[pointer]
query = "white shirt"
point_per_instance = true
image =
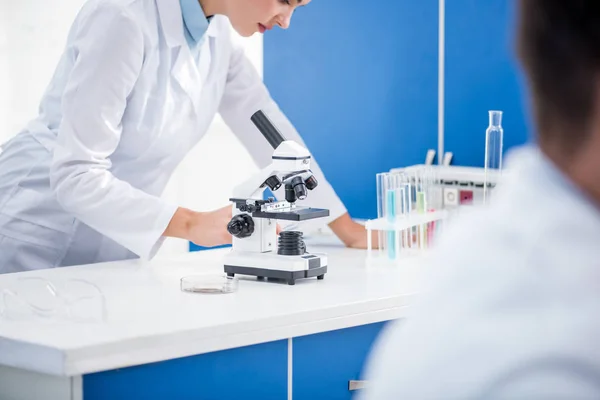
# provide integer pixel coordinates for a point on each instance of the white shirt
(512, 306)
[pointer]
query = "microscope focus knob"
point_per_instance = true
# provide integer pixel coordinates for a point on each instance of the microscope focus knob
(311, 183)
(241, 226)
(273, 182)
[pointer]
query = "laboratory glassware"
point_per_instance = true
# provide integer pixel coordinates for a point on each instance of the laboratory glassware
(73, 300)
(405, 223)
(493, 153)
(209, 284)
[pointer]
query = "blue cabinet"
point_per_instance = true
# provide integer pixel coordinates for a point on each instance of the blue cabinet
(324, 363)
(360, 85)
(249, 372)
(322, 366)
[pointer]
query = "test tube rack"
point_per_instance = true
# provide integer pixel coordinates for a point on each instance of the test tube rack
(406, 224)
(414, 203)
(454, 186)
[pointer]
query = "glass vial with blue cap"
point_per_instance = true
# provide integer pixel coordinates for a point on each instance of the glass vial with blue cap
(493, 153)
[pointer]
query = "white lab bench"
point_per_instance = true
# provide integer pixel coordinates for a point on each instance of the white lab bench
(266, 341)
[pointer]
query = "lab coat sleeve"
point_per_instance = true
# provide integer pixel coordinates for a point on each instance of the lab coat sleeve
(244, 94)
(108, 49)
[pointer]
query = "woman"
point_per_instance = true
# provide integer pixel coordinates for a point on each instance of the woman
(137, 86)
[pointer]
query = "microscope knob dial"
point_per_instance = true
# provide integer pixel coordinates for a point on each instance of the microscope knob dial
(241, 226)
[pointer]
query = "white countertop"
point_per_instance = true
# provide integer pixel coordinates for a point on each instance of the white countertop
(148, 318)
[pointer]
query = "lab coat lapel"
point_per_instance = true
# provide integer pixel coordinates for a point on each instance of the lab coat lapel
(207, 56)
(205, 60)
(186, 74)
(190, 79)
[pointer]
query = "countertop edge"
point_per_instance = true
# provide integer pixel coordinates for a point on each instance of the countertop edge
(76, 365)
(32, 357)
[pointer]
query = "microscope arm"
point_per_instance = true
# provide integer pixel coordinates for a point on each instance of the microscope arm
(289, 160)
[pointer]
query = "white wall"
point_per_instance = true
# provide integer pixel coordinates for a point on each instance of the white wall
(32, 36)
(4, 91)
(35, 32)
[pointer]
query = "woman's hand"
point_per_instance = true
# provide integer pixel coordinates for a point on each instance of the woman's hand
(353, 234)
(209, 229)
(206, 229)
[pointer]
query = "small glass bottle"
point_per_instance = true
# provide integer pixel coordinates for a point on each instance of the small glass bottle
(493, 153)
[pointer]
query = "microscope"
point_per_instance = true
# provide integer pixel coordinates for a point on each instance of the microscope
(257, 249)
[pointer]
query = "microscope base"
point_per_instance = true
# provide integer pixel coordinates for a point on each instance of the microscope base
(275, 266)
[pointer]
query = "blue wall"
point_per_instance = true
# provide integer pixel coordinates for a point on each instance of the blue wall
(481, 74)
(360, 82)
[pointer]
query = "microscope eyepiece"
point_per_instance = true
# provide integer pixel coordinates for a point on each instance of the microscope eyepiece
(296, 189)
(266, 127)
(290, 194)
(300, 190)
(311, 182)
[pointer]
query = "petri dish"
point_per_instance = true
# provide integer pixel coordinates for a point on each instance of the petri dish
(209, 284)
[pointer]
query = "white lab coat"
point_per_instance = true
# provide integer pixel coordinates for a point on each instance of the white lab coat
(511, 309)
(82, 183)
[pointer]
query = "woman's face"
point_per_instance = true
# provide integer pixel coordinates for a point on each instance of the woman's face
(251, 16)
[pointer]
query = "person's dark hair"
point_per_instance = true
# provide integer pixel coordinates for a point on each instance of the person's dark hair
(559, 48)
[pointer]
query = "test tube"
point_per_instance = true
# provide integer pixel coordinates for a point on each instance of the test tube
(380, 208)
(391, 217)
(402, 195)
(493, 153)
(397, 179)
(431, 202)
(414, 230)
(421, 206)
(429, 187)
(407, 207)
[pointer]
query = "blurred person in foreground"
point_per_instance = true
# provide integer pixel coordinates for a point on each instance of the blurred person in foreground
(512, 306)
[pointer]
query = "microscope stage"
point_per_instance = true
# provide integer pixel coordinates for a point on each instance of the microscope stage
(297, 214)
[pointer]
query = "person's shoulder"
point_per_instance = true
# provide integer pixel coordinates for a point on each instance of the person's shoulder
(474, 239)
(120, 5)
(111, 18)
(480, 254)
(124, 10)
(484, 237)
